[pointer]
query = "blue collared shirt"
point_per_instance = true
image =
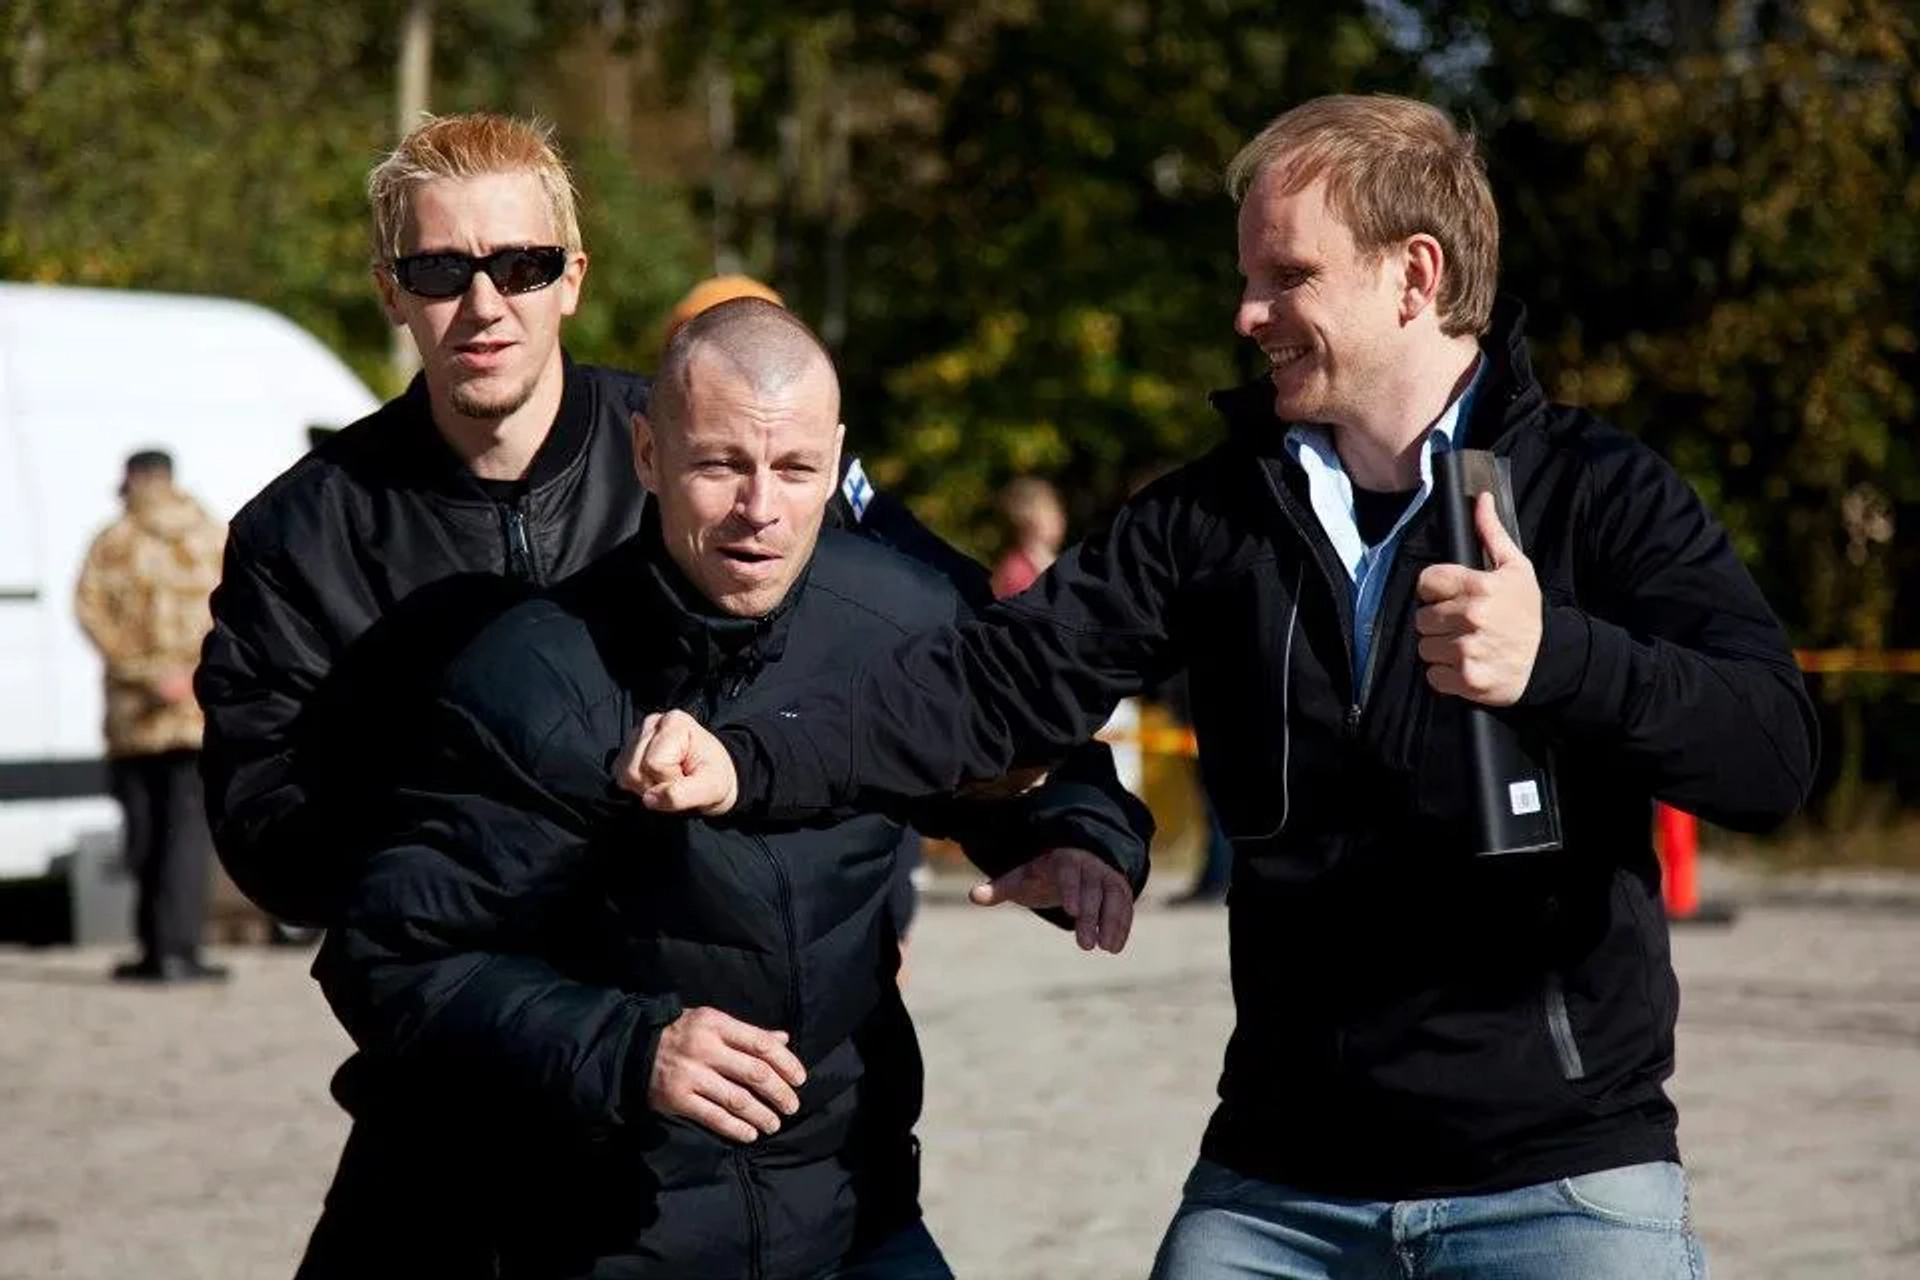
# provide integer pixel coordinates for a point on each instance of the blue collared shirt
(1332, 493)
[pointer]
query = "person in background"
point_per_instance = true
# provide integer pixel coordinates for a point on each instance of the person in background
(142, 600)
(1037, 526)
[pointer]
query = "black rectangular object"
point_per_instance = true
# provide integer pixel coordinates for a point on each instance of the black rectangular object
(1516, 803)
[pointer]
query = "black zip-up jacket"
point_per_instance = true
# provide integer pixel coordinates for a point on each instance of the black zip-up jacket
(511, 952)
(349, 581)
(1413, 1020)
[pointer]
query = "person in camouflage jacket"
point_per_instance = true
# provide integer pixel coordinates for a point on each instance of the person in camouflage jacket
(142, 599)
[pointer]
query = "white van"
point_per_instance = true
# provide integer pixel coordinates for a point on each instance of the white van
(235, 392)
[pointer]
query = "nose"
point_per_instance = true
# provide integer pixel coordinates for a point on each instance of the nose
(755, 504)
(1252, 314)
(482, 300)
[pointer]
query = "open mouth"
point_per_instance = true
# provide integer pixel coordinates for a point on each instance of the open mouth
(1281, 357)
(746, 555)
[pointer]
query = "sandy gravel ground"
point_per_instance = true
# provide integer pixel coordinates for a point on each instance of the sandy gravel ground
(187, 1135)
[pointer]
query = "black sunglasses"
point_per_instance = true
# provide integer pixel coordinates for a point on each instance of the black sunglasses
(447, 275)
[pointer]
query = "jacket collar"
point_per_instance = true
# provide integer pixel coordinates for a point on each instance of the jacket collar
(1509, 396)
(428, 462)
(693, 631)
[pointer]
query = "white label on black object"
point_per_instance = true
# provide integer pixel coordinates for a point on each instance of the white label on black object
(1524, 797)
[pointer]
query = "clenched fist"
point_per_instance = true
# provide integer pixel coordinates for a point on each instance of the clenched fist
(676, 766)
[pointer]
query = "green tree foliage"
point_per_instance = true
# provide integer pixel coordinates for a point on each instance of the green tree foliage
(195, 147)
(1716, 212)
(1006, 217)
(1048, 277)
(221, 146)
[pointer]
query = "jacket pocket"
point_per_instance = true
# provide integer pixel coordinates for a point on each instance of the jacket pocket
(1559, 1024)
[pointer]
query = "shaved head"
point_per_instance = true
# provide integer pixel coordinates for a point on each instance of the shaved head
(740, 446)
(758, 343)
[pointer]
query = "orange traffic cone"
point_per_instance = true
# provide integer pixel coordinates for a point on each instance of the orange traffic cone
(1676, 838)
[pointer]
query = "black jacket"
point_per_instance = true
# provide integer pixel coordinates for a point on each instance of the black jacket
(1412, 1020)
(349, 581)
(512, 951)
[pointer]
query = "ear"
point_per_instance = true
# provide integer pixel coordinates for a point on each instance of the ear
(1422, 264)
(389, 297)
(645, 464)
(570, 281)
(839, 448)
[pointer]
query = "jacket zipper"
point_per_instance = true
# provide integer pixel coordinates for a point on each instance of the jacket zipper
(519, 550)
(791, 932)
(754, 1242)
(1339, 585)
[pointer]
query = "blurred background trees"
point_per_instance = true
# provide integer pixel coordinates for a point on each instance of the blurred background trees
(1006, 218)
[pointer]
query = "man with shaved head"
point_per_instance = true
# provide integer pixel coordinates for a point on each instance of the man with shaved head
(684, 1038)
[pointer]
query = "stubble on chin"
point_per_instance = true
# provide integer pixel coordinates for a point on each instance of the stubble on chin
(475, 400)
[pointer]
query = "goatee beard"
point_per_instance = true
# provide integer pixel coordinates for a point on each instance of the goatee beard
(469, 401)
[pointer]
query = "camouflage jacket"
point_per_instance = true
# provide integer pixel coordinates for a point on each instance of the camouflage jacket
(142, 600)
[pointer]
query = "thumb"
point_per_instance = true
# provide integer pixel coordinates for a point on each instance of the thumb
(693, 792)
(1501, 548)
(1000, 889)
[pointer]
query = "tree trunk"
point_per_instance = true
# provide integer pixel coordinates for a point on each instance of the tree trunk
(726, 250)
(413, 88)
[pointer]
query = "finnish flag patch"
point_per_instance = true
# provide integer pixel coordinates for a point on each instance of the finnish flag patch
(857, 489)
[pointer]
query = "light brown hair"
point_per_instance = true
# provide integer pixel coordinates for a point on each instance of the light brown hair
(468, 146)
(1394, 168)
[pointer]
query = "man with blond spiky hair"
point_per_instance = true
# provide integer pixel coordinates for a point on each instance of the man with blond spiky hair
(351, 578)
(503, 458)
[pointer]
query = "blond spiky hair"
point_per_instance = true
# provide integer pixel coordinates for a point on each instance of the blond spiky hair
(468, 146)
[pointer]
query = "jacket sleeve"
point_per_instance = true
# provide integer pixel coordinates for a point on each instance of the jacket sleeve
(259, 670)
(1021, 684)
(1671, 664)
(437, 965)
(1082, 804)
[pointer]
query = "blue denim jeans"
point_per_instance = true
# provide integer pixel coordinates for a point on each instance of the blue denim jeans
(906, 1255)
(1620, 1224)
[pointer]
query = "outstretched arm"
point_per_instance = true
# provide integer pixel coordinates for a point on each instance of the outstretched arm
(1018, 686)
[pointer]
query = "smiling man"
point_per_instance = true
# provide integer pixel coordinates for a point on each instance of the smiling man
(682, 1041)
(1445, 1065)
